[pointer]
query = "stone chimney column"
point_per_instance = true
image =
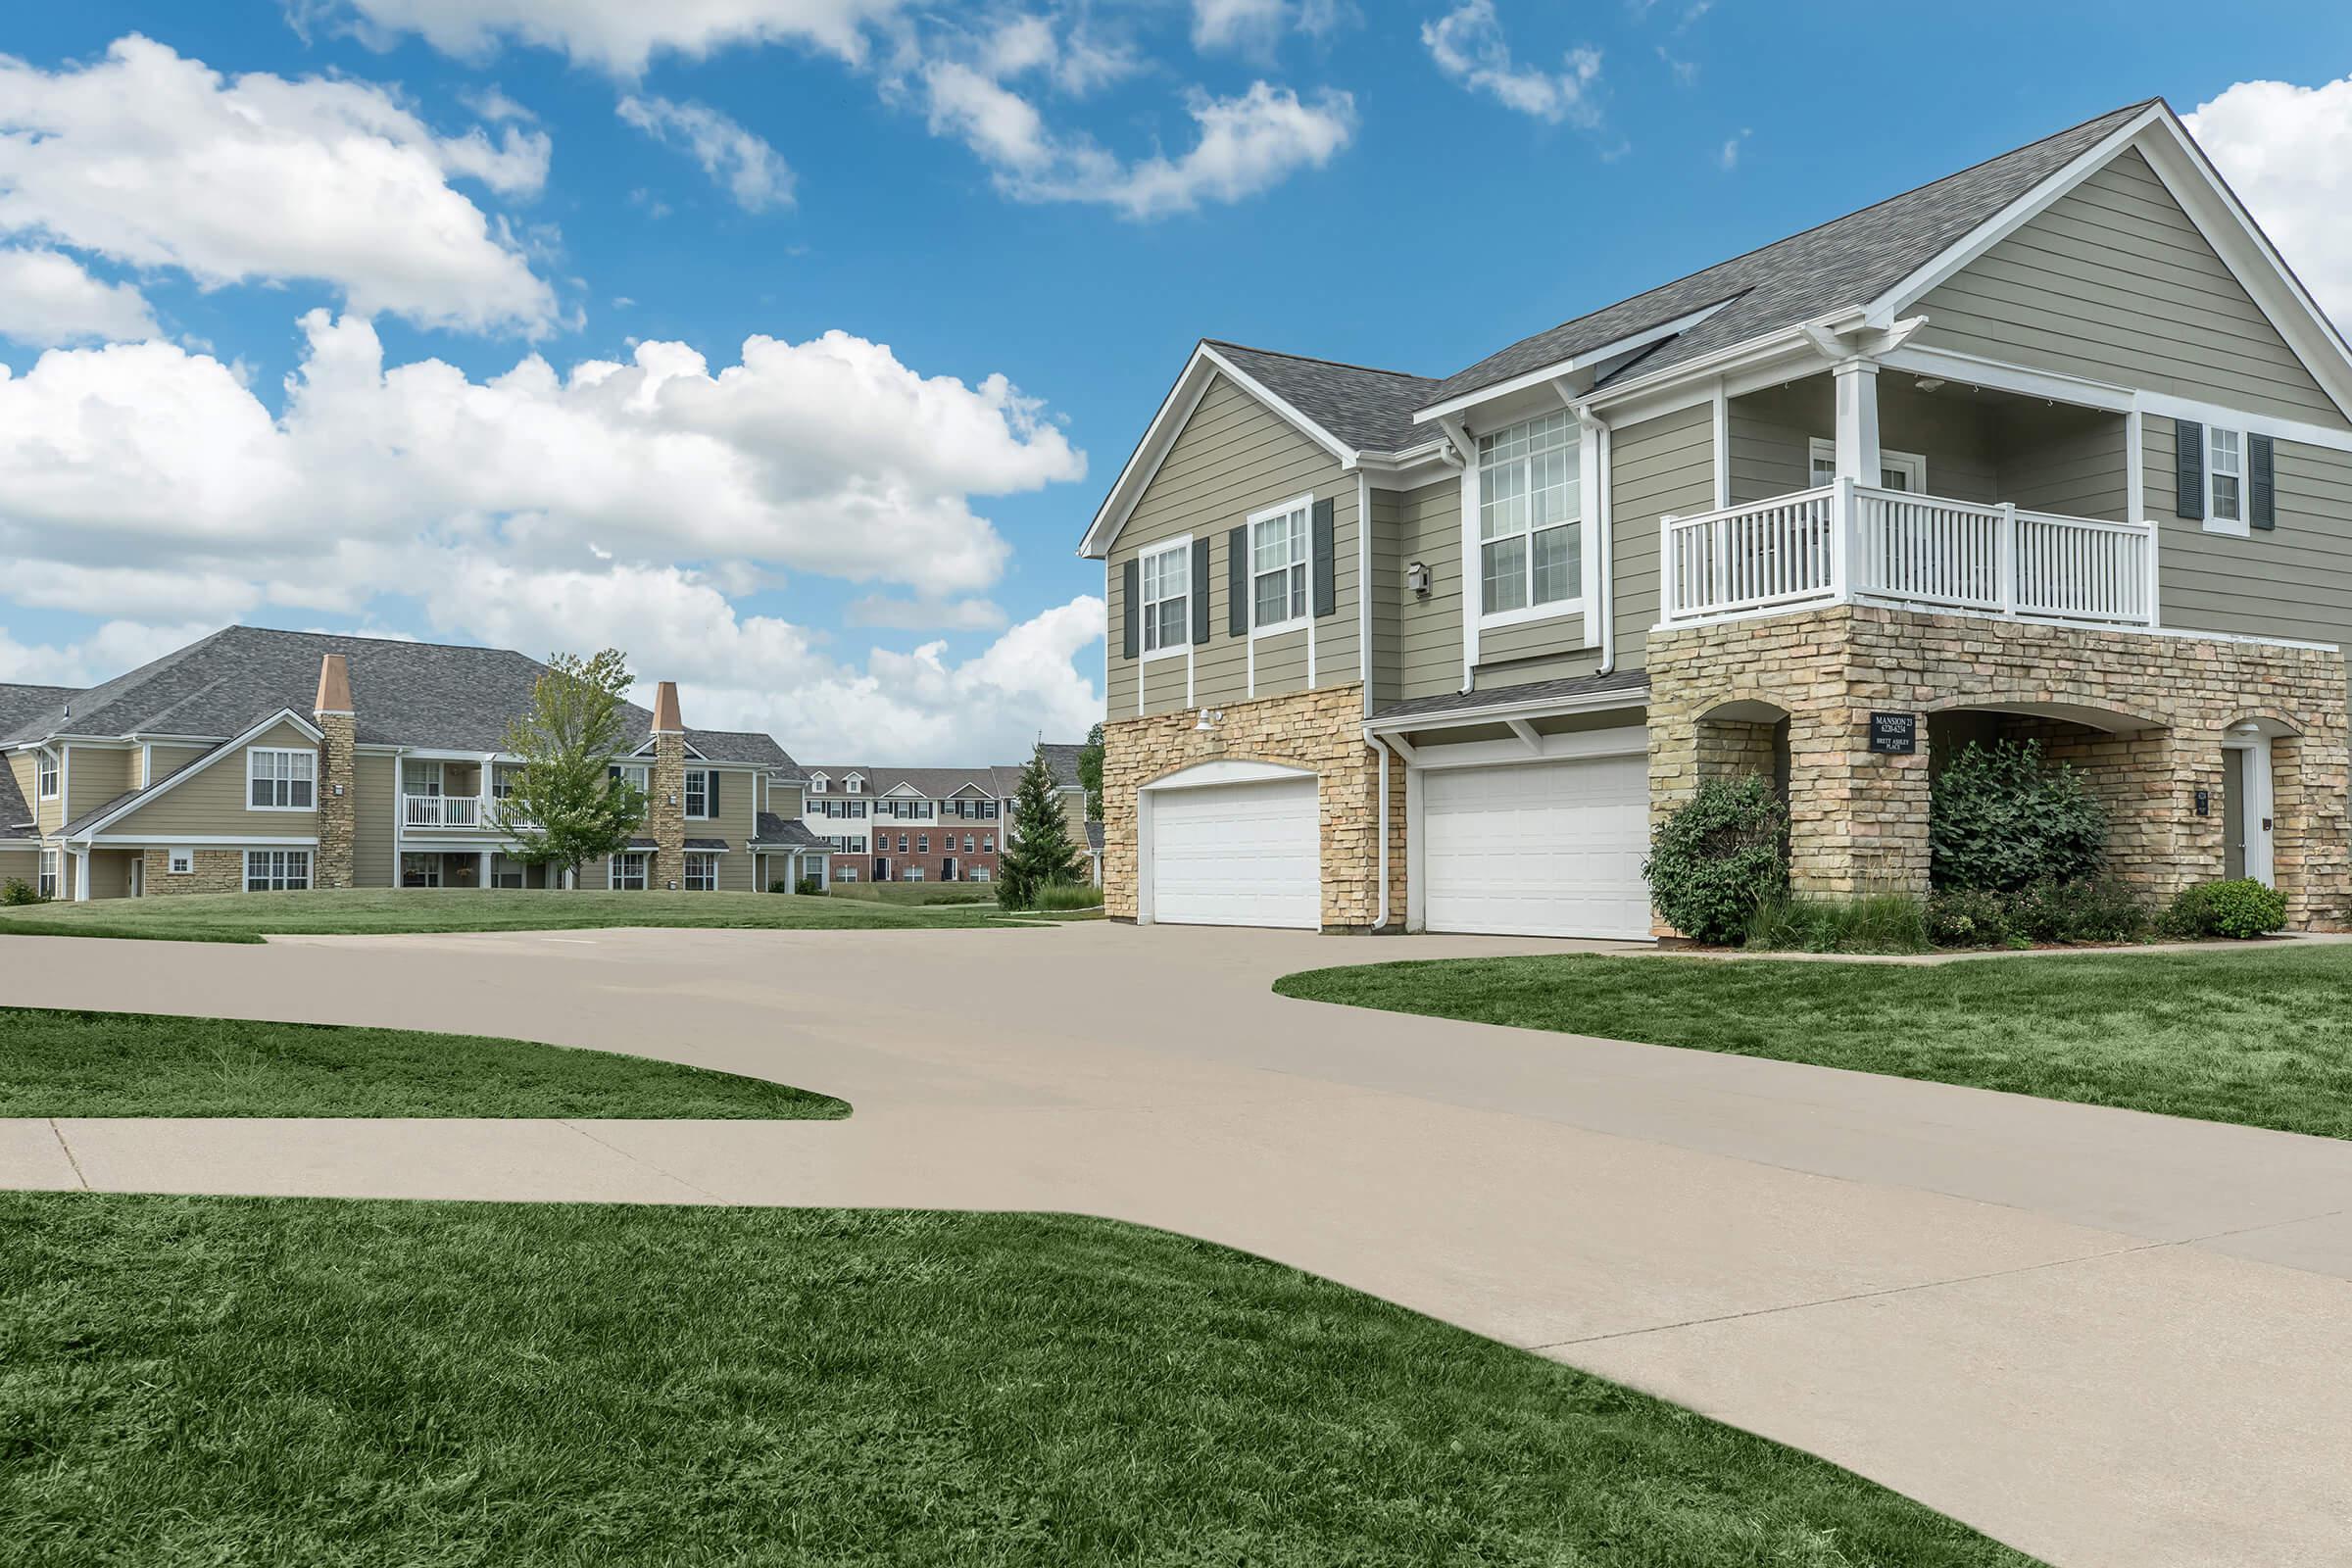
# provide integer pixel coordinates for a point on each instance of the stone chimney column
(666, 809)
(338, 804)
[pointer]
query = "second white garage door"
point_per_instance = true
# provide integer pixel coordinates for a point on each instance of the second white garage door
(1236, 854)
(1537, 849)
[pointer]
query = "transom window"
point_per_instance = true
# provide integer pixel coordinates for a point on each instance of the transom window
(2226, 474)
(1529, 515)
(1167, 579)
(1278, 560)
(280, 780)
(45, 776)
(702, 874)
(627, 873)
(278, 870)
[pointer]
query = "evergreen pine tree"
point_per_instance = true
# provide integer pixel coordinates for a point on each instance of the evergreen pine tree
(1040, 853)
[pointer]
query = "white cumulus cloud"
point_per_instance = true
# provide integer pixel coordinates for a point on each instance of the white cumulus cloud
(1468, 45)
(154, 160)
(618, 36)
(2287, 150)
(47, 298)
(753, 172)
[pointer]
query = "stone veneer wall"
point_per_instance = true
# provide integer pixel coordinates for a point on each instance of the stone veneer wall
(338, 802)
(1858, 821)
(1320, 730)
(666, 812)
(216, 871)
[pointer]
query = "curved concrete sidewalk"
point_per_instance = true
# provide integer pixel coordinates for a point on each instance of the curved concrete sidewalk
(2103, 1337)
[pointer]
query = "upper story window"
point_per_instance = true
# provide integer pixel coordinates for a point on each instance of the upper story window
(855, 785)
(1278, 560)
(44, 786)
(2225, 475)
(502, 781)
(701, 793)
(1529, 516)
(1166, 575)
(279, 779)
(816, 783)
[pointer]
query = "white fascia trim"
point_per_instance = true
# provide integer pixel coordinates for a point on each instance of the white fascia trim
(1649, 335)
(194, 840)
(1503, 712)
(1576, 746)
(1882, 310)
(1159, 438)
(147, 796)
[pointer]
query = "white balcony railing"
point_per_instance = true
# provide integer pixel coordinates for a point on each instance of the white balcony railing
(1846, 541)
(441, 811)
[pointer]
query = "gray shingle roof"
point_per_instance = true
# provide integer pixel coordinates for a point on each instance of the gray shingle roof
(776, 830)
(16, 818)
(1627, 682)
(409, 694)
(1370, 410)
(20, 705)
(1838, 264)
(998, 782)
(1094, 834)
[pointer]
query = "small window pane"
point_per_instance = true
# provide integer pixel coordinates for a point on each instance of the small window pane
(1503, 569)
(1559, 566)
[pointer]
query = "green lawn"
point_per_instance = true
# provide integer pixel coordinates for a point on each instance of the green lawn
(130, 1064)
(377, 912)
(916, 893)
(319, 1383)
(2260, 1037)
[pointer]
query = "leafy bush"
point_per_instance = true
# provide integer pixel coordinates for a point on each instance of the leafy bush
(18, 891)
(1722, 855)
(1968, 917)
(1997, 820)
(1060, 898)
(2241, 909)
(2045, 912)
(809, 887)
(1881, 922)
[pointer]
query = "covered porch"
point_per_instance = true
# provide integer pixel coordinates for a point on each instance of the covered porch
(1870, 484)
(470, 869)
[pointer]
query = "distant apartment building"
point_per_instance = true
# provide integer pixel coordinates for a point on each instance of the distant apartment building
(926, 824)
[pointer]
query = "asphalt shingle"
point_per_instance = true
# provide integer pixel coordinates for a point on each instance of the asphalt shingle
(1369, 410)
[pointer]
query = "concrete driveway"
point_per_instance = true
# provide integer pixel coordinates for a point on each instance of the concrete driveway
(2108, 1338)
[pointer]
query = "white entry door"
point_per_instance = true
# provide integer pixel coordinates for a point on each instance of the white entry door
(1236, 854)
(1537, 849)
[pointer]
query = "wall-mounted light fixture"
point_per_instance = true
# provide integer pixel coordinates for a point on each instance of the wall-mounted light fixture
(1210, 718)
(1416, 577)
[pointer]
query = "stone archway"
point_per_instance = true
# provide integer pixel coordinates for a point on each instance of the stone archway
(1745, 735)
(2131, 763)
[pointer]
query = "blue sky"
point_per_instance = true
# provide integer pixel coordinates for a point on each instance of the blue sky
(870, 551)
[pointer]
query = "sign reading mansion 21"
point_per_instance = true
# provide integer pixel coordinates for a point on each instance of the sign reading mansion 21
(263, 761)
(2055, 447)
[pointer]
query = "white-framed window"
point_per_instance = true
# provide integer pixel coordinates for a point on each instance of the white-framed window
(979, 873)
(702, 872)
(278, 870)
(967, 843)
(280, 779)
(1531, 516)
(421, 870)
(914, 873)
(626, 872)
(502, 781)
(1166, 575)
(1279, 550)
(1907, 472)
(816, 783)
(44, 776)
(701, 790)
(856, 784)
(179, 862)
(988, 844)
(922, 843)
(505, 872)
(2226, 476)
(48, 874)
(639, 775)
(844, 873)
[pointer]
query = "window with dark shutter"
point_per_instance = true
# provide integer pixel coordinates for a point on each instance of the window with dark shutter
(1237, 582)
(2188, 466)
(1201, 596)
(2261, 486)
(1130, 636)
(1326, 552)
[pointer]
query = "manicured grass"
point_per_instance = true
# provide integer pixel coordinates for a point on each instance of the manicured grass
(379, 911)
(916, 893)
(131, 1064)
(2260, 1037)
(317, 1384)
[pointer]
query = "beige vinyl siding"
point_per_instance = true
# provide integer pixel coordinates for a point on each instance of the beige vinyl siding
(737, 823)
(1429, 631)
(1659, 466)
(21, 863)
(2070, 462)
(1234, 457)
(1772, 432)
(98, 774)
(165, 761)
(110, 872)
(212, 802)
(374, 860)
(2292, 581)
(2113, 282)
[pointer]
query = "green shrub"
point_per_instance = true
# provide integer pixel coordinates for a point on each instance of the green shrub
(1997, 820)
(2241, 909)
(18, 891)
(1060, 898)
(1968, 917)
(809, 887)
(1880, 923)
(2075, 911)
(1722, 855)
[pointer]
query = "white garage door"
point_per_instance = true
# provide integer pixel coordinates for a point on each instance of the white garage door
(1236, 854)
(1537, 849)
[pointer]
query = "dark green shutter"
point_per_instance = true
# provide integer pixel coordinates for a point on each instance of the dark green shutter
(1326, 548)
(710, 793)
(1237, 582)
(1201, 592)
(2188, 469)
(2261, 486)
(1132, 633)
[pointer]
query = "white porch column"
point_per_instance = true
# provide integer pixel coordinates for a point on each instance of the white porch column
(1858, 421)
(82, 876)
(482, 878)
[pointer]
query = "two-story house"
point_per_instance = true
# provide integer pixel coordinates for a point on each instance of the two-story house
(2057, 446)
(926, 824)
(261, 761)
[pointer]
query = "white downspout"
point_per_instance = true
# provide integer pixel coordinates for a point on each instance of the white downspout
(1363, 585)
(1604, 539)
(1380, 921)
